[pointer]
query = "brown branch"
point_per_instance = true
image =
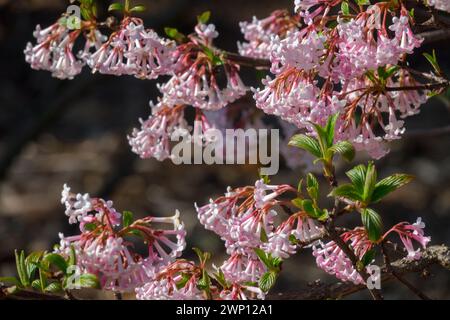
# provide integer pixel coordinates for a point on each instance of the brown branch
(406, 283)
(434, 255)
(434, 36)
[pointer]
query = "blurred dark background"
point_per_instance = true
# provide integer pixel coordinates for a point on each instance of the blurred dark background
(54, 132)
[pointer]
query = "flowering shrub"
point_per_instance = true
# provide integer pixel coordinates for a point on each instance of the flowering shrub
(338, 72)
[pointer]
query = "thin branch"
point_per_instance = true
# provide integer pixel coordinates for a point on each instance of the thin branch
(406, 283)
(434, 255)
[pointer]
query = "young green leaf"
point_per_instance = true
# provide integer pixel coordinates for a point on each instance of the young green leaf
(56, 260)
(138, 9)
(268, 280)
(263, 257)
(389, 184)
(357, 176)
(345, 149)
(329, 129)
(345, 8)
(21, 268)
(373, 224)
(127, 218)
(307, 143)
(347, 191)
(312, 186)
(54, 287)
(31, 262)
(116, 7)
(369, 183)
(88, 280)
(368, 258)
(204, 17)
(432, 59)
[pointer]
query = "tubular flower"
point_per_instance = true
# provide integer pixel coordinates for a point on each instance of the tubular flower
(133, 50)
(196, 81)
(334, 261)
(54, 51)
(178, 281)
(102, 249)
(240, 268)
(259, 33)
(408, 232)
(154, 137)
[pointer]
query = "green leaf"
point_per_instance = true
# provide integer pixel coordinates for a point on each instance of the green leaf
(43, 280)
(268, 280)
(202, 256)
(127, 218)
(220, 278)
(432, 59)
(297, 202)
(347, 191)
(116, 7)
(205, 282)
(345, 8)
(54, 287)
(72, 256)
(184, 279)
(373, 224)
(263, 257)
(390, 184)
(204, 17)
(90, 226)
(31, 262)
(56, 260)
(307, 143)
(21, 268)
(368, 258)
(138, 9)
(10, 280)
(345, 149)
(263, 236)
(308, 207)
(357, 176)
(369, 183)
(329, 129)
(88, 280)
(363, 2)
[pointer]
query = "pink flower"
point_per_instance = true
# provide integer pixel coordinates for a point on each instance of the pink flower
(259, 33)
(241, 268)
(102, 250)
(53, 51)
(407, 233)
(154, 137)
(333, 260)
(240, 292)
(133, 50)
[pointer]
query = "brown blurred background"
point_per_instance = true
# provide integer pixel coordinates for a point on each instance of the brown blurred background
(54, 132)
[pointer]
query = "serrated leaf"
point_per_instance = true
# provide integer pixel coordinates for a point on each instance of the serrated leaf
(345, 149)
(369, 183)
(21, 268)
(31, 262)
(389, 184)
(357, 176)
(329, 129)
(306, 143)
(54, 287)
(204, 17)
(116, 7)
(88, 280)
(267, 281)
(36, 285)
(347, 191)
(373, 224)
(56, 260)
(127, 218)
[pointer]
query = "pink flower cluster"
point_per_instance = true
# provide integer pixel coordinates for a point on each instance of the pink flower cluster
(195, 79)
(54, 51)
(102, 247)
(153, 139)
(259, 34)
(321, 71)
(408, 232)
(333, 260)
(134, 50)
(244, 219)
